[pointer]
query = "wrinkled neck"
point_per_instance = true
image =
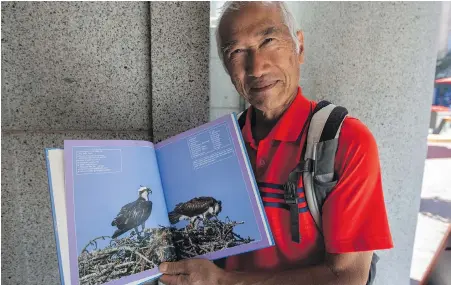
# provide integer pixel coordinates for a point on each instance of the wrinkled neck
(266, 120)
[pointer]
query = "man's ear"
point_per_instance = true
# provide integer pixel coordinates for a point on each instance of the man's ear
(300, 43)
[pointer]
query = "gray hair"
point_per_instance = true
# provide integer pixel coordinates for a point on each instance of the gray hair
(288, 18)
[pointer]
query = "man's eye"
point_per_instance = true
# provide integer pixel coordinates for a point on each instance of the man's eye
(236, 51)
(267, 41)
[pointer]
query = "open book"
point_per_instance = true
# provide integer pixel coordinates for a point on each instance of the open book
(121, 208)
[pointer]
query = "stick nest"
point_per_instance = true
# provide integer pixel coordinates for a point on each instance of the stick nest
(134, 254)
(213, 235)
(125, 256)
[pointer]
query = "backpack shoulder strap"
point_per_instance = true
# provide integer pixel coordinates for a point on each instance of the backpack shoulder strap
(321, 146)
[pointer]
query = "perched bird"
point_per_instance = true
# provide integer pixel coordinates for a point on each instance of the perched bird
(195, 209)
(133, 214)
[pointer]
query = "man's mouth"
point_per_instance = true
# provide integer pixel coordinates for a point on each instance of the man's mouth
(263, 87)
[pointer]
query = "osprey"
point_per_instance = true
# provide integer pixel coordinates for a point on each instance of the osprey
(194, 209)
(133, 214)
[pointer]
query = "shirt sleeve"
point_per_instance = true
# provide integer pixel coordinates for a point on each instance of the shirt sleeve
(354, 214)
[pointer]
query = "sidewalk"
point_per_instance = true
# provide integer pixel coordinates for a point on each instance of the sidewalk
(434, 218)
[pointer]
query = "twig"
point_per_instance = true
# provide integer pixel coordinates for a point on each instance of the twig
(136, 252)
(94, 241)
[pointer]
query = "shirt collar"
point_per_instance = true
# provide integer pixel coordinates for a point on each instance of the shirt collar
(289, 125)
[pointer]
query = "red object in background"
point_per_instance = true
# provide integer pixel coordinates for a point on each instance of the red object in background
(446, 80)
(438, 108)
(438, 151)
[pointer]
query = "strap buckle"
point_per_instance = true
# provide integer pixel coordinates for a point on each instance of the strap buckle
(289, 188)
(291, 199)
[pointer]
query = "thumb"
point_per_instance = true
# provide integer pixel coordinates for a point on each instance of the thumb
(179, 267)
(174, 279)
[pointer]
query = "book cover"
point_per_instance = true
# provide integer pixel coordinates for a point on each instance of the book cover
(130, 205)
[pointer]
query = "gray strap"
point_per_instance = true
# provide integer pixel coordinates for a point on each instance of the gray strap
(314, 134)
(325, 151)
(316, 128)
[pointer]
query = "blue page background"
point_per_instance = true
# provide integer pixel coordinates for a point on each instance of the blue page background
(223, 180)
(99, 197)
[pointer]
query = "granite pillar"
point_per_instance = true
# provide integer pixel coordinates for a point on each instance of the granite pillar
(70, 70)
(378, 60)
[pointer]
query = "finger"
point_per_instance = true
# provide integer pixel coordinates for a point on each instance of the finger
(174, 279)
(178, 267)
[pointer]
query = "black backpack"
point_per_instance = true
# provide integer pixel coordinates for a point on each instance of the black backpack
(316, 166)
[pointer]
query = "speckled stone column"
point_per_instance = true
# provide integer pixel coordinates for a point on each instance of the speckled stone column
(79, 70)
(378, 60)
(180, 71)
(70, 70)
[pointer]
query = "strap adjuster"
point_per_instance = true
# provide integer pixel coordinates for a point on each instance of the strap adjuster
(291, 199)
(290, 194)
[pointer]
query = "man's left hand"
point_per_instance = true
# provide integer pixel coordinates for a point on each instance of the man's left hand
(191, 272)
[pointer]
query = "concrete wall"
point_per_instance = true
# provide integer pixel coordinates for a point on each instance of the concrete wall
(69, 70)
(180, 49)
(224, 99)
(444, 33)
(378, 60)
(135, 70)
(79, 70)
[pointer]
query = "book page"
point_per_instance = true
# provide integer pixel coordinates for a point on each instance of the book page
(117, 217)
(55, 168)
(210, 192)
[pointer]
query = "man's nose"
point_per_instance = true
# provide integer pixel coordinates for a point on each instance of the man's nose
(256, 64)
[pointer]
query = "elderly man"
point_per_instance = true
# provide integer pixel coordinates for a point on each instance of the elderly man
(262, 53)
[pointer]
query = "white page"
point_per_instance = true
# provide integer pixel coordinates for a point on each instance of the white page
(56, 168)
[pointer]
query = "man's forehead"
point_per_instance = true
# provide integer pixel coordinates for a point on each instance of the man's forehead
(250, 19)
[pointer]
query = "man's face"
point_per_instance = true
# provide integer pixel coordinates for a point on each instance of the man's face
(260, 55)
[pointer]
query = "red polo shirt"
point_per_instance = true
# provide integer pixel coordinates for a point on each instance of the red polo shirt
(354, 214)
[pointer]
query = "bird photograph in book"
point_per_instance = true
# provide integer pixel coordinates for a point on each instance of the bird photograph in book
(133, 214)
(120, 221)
(132, 247)
(196, 210)
(212, 206)
(197, 228)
